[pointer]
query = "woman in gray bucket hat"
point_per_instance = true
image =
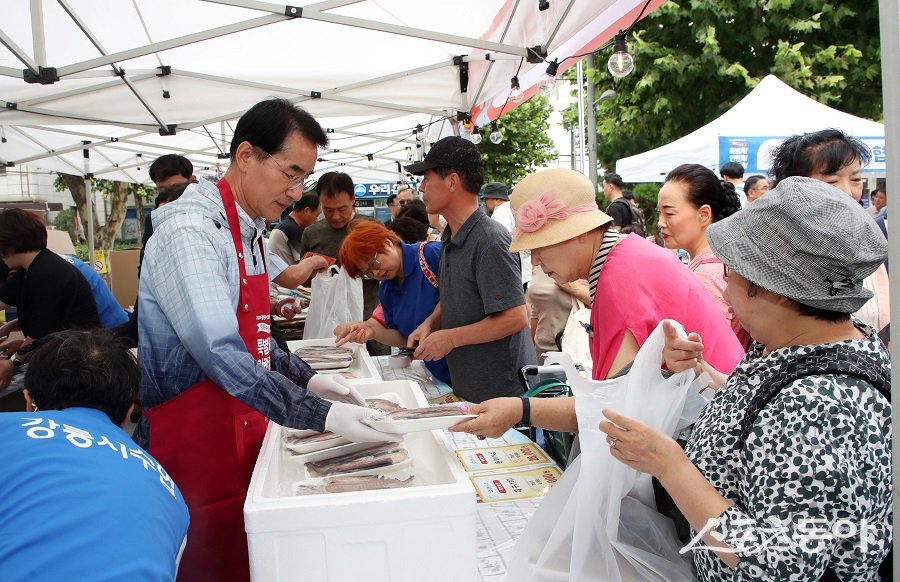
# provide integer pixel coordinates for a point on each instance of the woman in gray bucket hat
(787, 474)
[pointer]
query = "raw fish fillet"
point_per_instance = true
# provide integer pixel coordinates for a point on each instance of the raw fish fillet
(383, 455)
(295, 439)
(427, 412)
(349, 483)
(383, 405)
(324, 354)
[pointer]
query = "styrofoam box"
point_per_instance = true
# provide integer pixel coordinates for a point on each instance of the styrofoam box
(363, 367)
(422, 532)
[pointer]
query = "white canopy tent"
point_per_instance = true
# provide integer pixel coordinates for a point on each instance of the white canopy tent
(748, 131)
(143, 78)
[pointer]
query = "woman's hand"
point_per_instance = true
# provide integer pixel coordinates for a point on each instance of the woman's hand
(495, 417)
(288, 308)
(356, 332)
(682, 353)
(641, 447)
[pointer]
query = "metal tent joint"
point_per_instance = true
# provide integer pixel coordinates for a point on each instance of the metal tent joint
(44, 76)
(536, 54)
(463, 73)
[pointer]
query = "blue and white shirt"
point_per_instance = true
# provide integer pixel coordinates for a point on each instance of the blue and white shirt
(188, 328)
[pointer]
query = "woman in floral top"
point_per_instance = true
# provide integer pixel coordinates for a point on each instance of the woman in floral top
(787, 475)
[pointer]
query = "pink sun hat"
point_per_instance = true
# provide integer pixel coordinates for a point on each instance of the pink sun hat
(553, 206)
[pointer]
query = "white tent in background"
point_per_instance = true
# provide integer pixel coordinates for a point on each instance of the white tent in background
(748, 132)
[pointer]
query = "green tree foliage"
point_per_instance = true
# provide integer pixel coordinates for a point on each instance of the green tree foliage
(525, 146)
(694, 59)
(65, 220)
(118, 195)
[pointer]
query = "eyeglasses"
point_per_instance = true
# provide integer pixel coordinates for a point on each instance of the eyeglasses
(725, 271)
(374, 265)
(294, 182)
(403, 202)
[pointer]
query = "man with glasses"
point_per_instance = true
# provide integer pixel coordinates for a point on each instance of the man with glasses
(338, 204)
(210, 378)
(755, 187)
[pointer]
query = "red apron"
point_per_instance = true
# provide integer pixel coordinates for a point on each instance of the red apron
(208, 441)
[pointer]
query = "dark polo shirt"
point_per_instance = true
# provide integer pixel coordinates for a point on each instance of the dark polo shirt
(480, 277)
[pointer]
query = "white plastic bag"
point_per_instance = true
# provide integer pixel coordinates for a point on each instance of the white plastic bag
(575, 340)
(599, 522)
(335, 298)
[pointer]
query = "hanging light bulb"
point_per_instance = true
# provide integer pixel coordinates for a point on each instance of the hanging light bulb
(371, 162)
(419, 132)
(620, 64)
(516, 94)
(549, 81)
(476, 135)
(496, 136)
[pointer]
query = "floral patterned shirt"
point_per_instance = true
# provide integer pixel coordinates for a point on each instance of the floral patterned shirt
(812, 486)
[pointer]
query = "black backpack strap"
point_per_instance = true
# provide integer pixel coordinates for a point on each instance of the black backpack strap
(826, 360)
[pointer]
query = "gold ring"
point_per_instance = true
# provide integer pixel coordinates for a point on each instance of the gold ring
(612, 442)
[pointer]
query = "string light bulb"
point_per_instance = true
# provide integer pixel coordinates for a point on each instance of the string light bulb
(496, 136)
(419, 132)
(516, 94)
(620, 64)
(549, 80)
(476, 135)
(371, 162)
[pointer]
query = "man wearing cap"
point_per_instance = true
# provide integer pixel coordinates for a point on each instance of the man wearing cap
(496, 201)
(480, 324)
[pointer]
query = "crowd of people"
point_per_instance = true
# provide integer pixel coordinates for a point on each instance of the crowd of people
(785, 296)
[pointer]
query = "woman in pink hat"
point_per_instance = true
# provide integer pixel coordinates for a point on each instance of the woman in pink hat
(634, 285)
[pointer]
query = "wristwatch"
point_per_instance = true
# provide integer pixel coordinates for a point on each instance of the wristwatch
(15, 361)
(526, 412)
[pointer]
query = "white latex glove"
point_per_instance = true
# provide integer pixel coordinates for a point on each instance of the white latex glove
(347, 420)
(334, 387)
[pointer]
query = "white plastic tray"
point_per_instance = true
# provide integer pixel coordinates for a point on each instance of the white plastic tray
(363, 367)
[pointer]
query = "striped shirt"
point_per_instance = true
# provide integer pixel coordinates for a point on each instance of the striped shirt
(610, 238)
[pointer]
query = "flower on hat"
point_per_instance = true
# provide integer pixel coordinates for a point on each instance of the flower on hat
(534, 214)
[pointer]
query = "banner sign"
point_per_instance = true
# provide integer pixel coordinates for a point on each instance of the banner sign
(755, 153)
(377, 190)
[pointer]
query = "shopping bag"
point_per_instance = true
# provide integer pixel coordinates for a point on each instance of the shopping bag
(575, 339)
(599, 522)
(336, 298)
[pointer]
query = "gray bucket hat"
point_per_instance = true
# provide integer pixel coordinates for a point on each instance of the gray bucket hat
(805, 240)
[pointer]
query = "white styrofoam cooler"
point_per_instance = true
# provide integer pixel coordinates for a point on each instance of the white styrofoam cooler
(423, 532)
(363, 367)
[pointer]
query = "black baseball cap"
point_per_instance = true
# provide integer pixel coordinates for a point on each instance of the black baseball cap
(453, 152)
(496, 191)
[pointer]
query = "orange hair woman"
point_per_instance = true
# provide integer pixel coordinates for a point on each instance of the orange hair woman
(408, 292)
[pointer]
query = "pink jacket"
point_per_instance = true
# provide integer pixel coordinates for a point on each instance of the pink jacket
(641, 284)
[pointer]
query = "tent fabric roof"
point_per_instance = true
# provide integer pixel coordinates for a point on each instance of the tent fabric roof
(772, 108)
(369, 70)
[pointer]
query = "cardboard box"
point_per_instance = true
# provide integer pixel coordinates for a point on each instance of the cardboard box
(422, 532)
(59, 241)
(123, 275)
